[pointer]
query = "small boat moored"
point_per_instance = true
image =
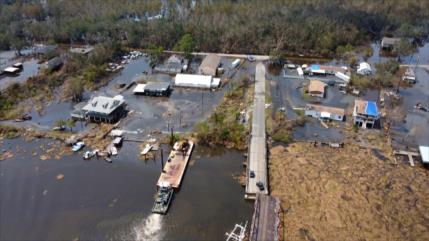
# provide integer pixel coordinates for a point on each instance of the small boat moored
(18, 65)
(79, 145)
(146, 149)
(89, 154)
(163, 198)
(113, 151)
(117, 142)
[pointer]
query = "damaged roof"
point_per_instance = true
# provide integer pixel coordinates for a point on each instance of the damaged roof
(316, 86)
(364, 107)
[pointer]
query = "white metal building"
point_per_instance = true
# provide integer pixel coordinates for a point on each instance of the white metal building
(342, 76)
(196, 81)
(424, 153)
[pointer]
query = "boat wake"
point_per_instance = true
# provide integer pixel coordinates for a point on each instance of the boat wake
(150, 228)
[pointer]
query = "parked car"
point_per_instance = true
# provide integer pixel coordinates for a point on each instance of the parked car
(260, 185)
(251, 58)
(252, 174)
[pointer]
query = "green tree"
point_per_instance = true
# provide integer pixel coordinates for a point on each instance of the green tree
(277, 56)
(60, 123)
(386, 73)
(186, 44)
(70, 123)
(405, 48)
(155, 55)
(75, 89)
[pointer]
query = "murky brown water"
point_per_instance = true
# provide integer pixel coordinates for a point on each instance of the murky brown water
(101, 201)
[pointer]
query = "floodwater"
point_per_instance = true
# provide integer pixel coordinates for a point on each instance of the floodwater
(100, 201)
(288, 93)
(7, 58)
(414, 131)
(180, 111)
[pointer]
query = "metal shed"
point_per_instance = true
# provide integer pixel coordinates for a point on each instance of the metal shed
(209, 65)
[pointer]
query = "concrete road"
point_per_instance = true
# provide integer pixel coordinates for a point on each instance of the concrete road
(258, 149)
(241, 56)
(265, 219)
(424, 66)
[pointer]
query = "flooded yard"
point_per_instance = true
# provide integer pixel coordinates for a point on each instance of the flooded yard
(95, 200)
(30, 69)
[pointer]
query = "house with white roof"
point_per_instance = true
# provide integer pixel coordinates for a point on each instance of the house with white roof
(104, 109)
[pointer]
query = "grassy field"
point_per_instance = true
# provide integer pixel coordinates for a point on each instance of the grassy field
(348, 194)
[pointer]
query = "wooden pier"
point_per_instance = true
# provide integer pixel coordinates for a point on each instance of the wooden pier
(175, 167)
(410, 155)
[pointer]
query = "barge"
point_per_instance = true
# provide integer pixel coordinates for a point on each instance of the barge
(176, 164)
(172, 175)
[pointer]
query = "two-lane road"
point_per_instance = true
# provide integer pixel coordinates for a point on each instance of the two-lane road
(258, 149)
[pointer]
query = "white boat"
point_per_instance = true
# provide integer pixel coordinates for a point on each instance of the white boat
(79, 145)
(117, 142)
(89, 154)
(146, 149)
(113, 151)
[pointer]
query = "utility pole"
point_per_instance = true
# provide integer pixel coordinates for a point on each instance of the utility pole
(171, 138)
(202, 102)
(162, 161)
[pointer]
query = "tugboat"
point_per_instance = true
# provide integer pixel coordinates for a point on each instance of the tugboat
(163, 198)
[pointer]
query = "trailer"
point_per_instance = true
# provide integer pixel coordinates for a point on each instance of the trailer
(235, 63)
(342, 76)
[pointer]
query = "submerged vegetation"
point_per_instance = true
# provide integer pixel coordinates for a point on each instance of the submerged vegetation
(323, 27)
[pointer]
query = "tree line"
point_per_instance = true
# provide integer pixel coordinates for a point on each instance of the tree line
(320, 27)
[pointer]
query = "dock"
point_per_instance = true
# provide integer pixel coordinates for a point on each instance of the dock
(257, 157)
(175, 167)
(410, 155)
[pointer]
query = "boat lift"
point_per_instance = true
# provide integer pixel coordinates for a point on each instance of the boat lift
(238, 233)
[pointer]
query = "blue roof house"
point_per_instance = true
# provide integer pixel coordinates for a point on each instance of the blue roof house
(365, 113)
